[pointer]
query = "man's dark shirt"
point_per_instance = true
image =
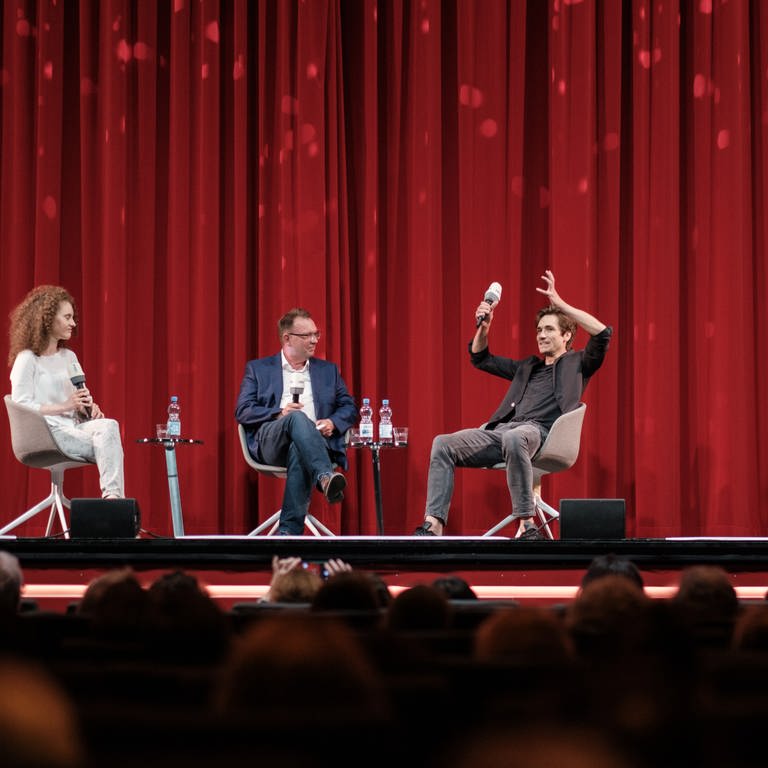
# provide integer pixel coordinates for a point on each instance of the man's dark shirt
(538, 403)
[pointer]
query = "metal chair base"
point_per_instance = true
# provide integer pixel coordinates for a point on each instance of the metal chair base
(56, 500)
(316, 528)
(544, 512)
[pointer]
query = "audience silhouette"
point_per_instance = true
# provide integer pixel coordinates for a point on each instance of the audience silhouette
(291, 583)
(707, 602)
(11, 582)
(454, 587)
(612, 565)
(38, 724)
(613, 679)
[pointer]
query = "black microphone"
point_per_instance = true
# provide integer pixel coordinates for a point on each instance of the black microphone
(492, 294)
(296, 385)
(77, 377)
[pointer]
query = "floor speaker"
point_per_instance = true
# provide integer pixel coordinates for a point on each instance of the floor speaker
(104, 519)
(592, 519)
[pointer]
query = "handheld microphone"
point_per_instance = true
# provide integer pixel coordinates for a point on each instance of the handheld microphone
(296, 385)
(77, 377)
(491, 295)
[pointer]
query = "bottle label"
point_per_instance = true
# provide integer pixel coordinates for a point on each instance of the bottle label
(385, 431)
(174, 428)
(366, 430)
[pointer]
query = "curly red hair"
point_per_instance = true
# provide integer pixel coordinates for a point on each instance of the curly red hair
(32, 320)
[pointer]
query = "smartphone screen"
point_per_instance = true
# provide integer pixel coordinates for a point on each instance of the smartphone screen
(316, 567)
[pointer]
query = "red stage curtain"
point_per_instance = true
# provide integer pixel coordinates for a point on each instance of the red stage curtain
(190, 170)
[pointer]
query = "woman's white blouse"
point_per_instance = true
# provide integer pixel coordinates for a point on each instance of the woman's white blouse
(43, 380)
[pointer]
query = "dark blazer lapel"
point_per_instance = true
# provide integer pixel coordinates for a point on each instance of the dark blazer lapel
(319, 389)
(276, 377)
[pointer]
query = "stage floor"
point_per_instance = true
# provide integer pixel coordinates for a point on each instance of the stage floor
(238, 568)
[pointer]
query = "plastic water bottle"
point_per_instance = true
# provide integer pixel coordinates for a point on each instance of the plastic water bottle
(174, 418)
(366, 421)
(385, 423)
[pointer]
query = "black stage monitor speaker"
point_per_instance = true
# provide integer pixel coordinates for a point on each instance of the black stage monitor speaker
(104, 519)
(592, 519)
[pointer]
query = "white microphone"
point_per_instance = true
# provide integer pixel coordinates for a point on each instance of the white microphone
(492, 294)
(296, 385)
(77, 377)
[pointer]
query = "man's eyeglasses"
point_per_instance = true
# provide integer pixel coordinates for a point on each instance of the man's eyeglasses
(314, 335)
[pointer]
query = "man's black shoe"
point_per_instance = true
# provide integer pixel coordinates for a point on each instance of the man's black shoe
(333, 487)
(532, 534)
(425, 530)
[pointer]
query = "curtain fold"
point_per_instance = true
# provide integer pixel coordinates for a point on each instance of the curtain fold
(191, 170)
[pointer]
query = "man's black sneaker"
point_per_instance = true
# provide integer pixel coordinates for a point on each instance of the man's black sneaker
(425, 529)
(532, 534)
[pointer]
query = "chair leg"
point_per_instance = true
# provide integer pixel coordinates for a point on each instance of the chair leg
(48, 501)
(316, 528)
(314, 524)
(273, 521)
(51, 518)
(505, 522)
(60, 500)
(542, 510)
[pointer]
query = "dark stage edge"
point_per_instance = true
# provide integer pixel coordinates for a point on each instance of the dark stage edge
(384, 553)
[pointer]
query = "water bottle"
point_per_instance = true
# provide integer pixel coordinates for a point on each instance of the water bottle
(385, 423)
(366, 421)
(174, 418)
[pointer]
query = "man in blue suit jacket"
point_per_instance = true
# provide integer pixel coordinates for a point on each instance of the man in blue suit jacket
(303, 432)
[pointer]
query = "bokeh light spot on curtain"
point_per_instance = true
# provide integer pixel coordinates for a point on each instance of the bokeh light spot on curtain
(469, 96)
(212, 31)
(142, 52)
(489, 128)
(123, 51)
(49, 207)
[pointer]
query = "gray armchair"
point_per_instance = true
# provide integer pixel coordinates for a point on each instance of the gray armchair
(34, 446)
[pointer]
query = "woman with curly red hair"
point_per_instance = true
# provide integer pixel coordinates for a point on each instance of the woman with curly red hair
(41, 326)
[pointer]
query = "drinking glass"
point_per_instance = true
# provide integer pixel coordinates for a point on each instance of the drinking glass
(400, 435)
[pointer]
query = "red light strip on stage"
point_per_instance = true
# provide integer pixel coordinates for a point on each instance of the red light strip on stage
(490, 592)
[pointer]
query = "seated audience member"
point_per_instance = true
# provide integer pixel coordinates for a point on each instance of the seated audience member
(608, 617)
(454, 588)
(751, 630)
(521, 745)
(708, 604)
(347, 591)
(116, 605)
(533, 635)
(419, 608)
(290, 582)
(11, 582)
(184, 621)
(639, 679)
(38, 724)
(382, 589)
(290, 661)
(605, 565)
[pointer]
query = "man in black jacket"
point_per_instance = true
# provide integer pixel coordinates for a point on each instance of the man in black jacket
(543, 388)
